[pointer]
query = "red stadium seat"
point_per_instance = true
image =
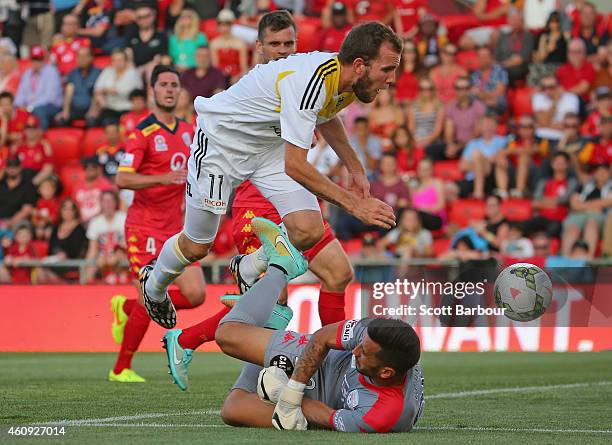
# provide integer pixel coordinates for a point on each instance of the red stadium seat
(468, 60)
(102, 62)
(66, 144)
(463, 211)
(441, 245)
(70, 175)
(555, 245)
(209, 27)
(447, 170)
(309, 36)
(520, 101)
(516, 209)
(352, 246)
(94, 138)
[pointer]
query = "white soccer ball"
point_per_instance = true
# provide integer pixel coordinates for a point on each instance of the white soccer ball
(524, 291)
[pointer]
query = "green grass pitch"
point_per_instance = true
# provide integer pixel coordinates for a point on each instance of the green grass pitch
(471, 398)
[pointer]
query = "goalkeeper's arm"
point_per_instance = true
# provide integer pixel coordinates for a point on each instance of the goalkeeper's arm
(315, 352)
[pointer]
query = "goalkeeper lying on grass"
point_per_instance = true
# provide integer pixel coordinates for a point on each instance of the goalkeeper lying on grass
(356, 375)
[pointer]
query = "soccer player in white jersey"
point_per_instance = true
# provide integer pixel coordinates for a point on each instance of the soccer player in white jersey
(261, 129)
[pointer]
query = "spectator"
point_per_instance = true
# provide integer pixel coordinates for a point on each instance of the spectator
(109, 155)
(128, 121)
(489, 81)
(409, 239)
(521, 159)
(87, 193)
(40, 88)
(515, 47)
(97, 22)
(590, 30)
(480, 157)
(492, 14)
(589, 206)
(407, 83)
(295, 7)
(203, 80)
(333, 35)
(146, 43)
(12, 121)
(429, 40)
(446, 74)
(578, 75)
(186, 39)
(494, 229)
(462, 117)
(107, 246)
(38, 28)
(10, 74)
(602, 145)
(68, 241)
(17, 194)
(407, 16)
(550, 107)
(47, 208)
(79, 89)
(366, 145)
(536, 13)
(7, 46)
(604, 75)
(62, 8)
(168, 17)
(551, 198)
(426, 115)
(603, 108)
(6, 236)
(551, 50)
(365, 11)
(324, 159)
(35, 154)
(113, 88)
(385, 116)
(67, 44)
(20, 250)
(389, 186)
(184, 107)
(228, 53)
(405, 151)
(541, 247)
(463, 249)
(428, 197)
(577, 147)
(517, 245)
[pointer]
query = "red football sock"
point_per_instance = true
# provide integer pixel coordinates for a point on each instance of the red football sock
(331, 307)
(196, 335)
(179, 300)
(135, 329)
(129, 305)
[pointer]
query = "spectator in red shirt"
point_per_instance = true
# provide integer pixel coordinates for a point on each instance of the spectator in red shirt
(129, 120)
(360, 11)
(407, 83)
(21, 250)
(407, 15)
(87, 193)
(603, 108)
(577, 75)
(602, 151)
(35, 154)
(492, 14)
(67, 44)
(590, 28)
(405, 151)
(12, 120)
(551, 198)
(46, 213)
(333, 36)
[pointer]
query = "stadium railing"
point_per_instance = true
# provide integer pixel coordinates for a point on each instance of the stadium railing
(217, 267)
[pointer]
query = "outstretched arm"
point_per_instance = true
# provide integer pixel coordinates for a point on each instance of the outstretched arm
(316, 350)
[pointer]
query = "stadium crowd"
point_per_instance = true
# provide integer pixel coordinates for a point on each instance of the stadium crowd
(495, 140)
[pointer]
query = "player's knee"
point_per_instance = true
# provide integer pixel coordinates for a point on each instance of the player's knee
(192, 251)
(304, 236)
(225, 338)
(195, 294)
(342, 276)
(230, 411)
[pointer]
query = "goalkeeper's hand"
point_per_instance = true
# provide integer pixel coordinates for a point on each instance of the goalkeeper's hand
(270, 383)
(288, 413)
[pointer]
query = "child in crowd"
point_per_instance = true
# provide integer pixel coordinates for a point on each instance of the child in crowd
(20, 250)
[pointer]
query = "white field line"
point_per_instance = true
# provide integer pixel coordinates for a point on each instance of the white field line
(509, 430)
(484, 392)
(112, 421)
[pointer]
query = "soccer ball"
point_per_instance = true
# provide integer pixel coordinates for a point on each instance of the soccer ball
(524, 291)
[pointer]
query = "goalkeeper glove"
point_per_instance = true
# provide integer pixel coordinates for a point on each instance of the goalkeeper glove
(288, 413)
(270, 383)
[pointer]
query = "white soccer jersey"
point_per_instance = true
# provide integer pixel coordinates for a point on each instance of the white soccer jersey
(281, 100)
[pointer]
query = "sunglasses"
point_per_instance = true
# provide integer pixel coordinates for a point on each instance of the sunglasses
(570, 126)
(426, 88)
(450, 53)
(461, 87)
(541, 247)
(142, 17)
(526, 126)
(549, 87)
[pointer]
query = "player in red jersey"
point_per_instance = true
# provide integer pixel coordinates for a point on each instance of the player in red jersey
(154, 165)
(327, 260)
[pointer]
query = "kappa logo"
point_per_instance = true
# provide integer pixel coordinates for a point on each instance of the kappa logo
(347, 330)
(160, 143)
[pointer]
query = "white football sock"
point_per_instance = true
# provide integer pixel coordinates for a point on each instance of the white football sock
(253, 265)
(170, 264)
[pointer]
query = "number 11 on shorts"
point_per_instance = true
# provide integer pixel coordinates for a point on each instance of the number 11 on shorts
(212, 185)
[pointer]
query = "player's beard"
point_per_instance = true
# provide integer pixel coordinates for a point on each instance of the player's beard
(363, 88)
(165, 108)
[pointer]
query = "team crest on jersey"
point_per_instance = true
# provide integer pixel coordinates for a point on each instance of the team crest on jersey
(178, 162)
(160, 143)
(186, 138)
(127, 160)
(352, 400)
